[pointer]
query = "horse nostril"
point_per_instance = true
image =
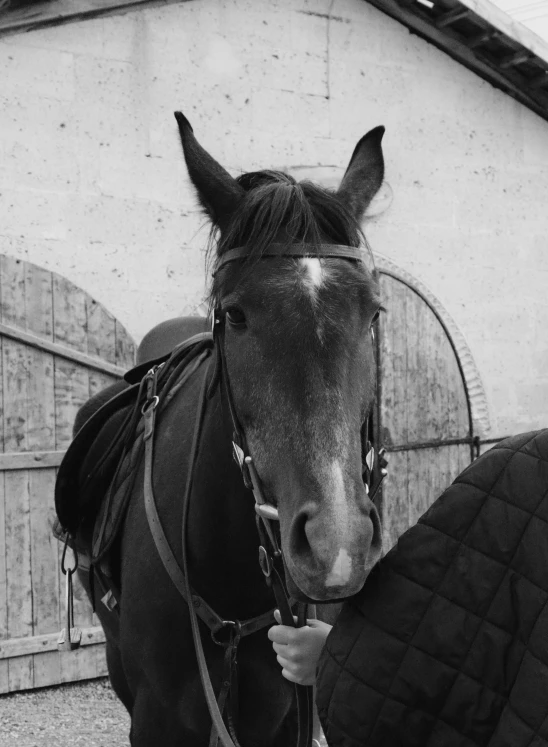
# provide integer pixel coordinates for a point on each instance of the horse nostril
(300, 544)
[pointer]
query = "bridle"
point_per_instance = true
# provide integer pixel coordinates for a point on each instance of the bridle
(270, 555)
(263, 509)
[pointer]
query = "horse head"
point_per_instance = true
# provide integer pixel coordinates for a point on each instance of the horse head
(299, 354)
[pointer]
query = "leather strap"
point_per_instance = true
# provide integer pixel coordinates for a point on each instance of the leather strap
(207, 685)
(196, 605)
(324, 251)
(273, 569)
(228, 694)
(213, 621)
(303, 693)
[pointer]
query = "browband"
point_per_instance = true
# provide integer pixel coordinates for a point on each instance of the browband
(333, 251)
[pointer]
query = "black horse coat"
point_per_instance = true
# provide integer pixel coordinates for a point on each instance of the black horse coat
(447, 643)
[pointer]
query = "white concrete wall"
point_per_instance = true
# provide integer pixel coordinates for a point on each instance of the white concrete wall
(92, 182)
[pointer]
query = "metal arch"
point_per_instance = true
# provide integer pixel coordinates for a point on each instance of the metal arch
(475, 393)
(438, 442)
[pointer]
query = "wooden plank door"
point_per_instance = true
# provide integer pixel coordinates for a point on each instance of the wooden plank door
(423, 414)
(57, 348)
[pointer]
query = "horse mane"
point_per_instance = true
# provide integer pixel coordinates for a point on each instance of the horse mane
(277, 208)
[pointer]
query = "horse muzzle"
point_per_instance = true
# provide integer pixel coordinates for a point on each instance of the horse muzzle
(329, 556)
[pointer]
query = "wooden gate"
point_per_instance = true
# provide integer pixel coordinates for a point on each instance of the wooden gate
(57, 348)
(424, 414)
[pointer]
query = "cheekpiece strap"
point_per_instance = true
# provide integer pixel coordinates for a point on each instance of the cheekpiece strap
(325, 251)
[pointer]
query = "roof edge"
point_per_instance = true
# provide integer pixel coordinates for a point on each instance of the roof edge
(485, 40)
(513, 29)
(59, 12)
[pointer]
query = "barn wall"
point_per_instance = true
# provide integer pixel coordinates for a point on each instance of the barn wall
(92, 183)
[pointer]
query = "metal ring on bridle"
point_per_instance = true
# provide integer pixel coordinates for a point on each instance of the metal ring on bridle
(236, 628)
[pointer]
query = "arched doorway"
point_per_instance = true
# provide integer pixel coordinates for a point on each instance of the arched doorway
(58, 347)
(431, 407)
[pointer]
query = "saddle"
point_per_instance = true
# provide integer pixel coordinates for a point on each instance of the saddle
(96, 476)
(158, 344)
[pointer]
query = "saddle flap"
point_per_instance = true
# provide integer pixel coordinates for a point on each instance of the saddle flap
(112, 509)
(99, 437)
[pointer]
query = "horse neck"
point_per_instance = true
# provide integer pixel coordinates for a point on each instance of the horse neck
(222, 535)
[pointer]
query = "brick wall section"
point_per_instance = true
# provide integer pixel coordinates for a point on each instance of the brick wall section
(92, 183)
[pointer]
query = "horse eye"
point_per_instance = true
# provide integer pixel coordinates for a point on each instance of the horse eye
(235, 316)
(376, 317)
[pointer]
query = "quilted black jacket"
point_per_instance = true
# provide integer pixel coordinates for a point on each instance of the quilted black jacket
(447, 643)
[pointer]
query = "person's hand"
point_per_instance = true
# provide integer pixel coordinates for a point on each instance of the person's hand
(298, 649)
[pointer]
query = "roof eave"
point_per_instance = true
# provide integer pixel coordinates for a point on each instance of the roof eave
(484, 39)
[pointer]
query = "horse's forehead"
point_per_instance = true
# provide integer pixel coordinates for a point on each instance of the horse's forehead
(309, 287)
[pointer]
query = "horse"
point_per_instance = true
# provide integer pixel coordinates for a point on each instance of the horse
(294, 298)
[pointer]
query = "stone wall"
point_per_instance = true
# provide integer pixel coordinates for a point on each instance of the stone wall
(93, 184)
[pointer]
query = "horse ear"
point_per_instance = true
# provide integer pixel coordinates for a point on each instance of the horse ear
(364, 175)
(218, 192)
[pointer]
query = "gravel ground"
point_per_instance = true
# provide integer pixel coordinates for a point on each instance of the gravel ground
(86, 714)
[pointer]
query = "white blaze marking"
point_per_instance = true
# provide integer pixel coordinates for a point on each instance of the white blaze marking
(314, 274)
(336, 485)
(313, 278)
(339, 575)
(341, 571)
